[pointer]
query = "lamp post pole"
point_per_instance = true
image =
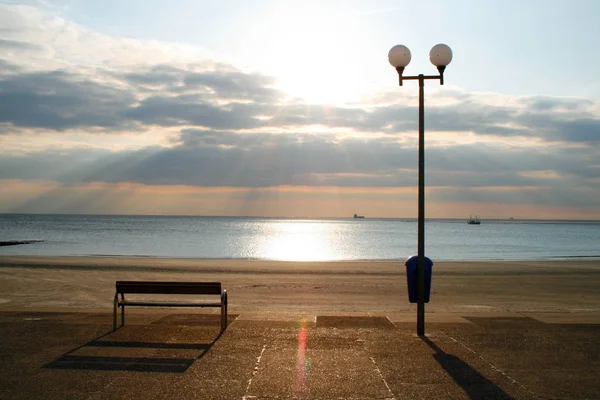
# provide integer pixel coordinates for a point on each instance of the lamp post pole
(421, 215)
(440, 56)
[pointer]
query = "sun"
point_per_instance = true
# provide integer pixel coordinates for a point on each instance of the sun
(310, 50)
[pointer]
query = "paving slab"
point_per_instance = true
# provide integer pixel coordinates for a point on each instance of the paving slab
(57, 355)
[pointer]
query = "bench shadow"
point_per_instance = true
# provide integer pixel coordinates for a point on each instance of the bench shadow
(475, 385)
(175, 364)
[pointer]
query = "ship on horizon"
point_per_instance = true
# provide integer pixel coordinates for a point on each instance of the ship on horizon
(358, 216)
(474, 221)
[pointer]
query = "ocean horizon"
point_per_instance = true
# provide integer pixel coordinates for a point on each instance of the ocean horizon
(296, 238)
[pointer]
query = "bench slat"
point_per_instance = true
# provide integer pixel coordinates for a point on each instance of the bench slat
(155, 287)
(157, 303)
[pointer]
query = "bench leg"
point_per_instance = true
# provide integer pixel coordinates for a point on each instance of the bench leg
(115, 310)
(223, 318)
(122, 310)
(223, 310)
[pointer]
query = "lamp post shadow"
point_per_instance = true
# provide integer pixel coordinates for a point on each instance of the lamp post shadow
(475, 385)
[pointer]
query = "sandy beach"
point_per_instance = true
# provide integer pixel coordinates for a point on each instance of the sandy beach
(362, 287)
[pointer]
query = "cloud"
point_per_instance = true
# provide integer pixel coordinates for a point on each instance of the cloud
(228, 127)
(580, 197)
(235, 85)
(228, 99)
(89, 80)
(563, 128)
(15, 45)
(8, 68)
(545, 103)
(60, 100)
(232, 159)
(70, 44)
(157, 76)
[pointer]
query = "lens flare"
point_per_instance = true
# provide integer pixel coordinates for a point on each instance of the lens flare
(302, 363)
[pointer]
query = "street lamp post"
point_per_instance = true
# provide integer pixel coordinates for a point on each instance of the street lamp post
(440, 56)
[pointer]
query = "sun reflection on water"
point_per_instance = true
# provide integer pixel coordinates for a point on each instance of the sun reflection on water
(299, 241)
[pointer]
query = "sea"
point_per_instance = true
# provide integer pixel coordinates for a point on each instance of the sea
(295, 239)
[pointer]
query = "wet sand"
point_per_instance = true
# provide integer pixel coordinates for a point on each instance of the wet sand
(44, 283)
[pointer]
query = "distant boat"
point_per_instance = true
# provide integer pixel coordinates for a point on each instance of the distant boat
(358, 216)
(475, 221)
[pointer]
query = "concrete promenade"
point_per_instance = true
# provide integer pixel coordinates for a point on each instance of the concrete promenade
(173, 354)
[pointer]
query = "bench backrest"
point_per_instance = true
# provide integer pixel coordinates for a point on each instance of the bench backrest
(168, 287)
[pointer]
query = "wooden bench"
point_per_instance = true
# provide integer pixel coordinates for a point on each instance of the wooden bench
(166, 288)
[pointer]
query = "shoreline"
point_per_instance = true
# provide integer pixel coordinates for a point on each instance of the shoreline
(188, 262)
(32, 258)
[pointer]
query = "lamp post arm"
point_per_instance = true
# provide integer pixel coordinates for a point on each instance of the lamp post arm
(419, 77)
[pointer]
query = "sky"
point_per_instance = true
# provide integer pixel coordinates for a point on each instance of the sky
(290, 108)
